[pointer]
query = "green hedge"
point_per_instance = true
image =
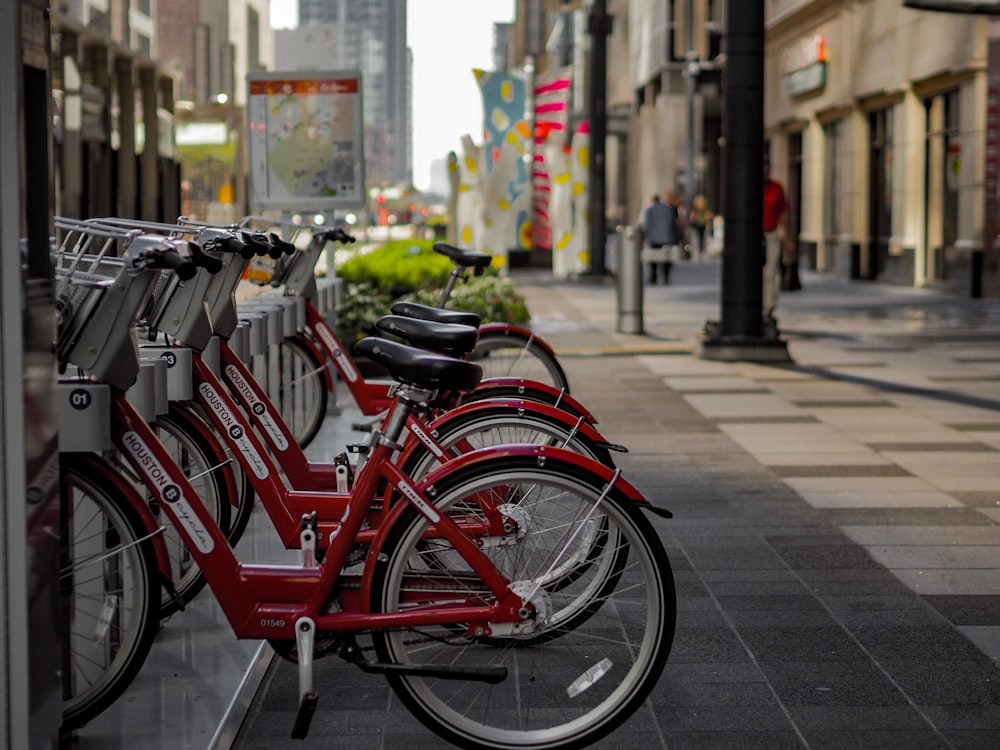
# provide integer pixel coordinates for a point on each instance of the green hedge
(410, 269)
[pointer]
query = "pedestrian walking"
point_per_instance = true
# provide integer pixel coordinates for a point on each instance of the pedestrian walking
(776, 239)
(658, 223)
(699, 223)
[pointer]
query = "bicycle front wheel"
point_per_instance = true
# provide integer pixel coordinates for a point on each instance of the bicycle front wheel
(596, 647)
(109, 580)
(509, 353)
(303, 396)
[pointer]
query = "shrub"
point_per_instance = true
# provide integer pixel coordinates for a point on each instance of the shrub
(411, 269)
(398, 267)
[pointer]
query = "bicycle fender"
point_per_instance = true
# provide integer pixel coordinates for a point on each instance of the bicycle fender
(149, 522)
(527, 388)
(515, 406)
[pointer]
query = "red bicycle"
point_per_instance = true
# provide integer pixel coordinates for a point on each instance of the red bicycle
(508, 644)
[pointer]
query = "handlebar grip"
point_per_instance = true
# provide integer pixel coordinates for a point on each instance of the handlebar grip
(236, 246)
(257, 243)
(172, 260)
(337, 234)
(202, 259)
(287, 248)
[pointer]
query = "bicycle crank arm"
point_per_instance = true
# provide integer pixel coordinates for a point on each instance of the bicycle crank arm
(491, 675)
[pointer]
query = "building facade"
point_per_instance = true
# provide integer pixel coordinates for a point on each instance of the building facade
(876, 121)
(370, 37)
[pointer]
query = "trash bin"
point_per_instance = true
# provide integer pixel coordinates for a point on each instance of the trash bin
(629, 280)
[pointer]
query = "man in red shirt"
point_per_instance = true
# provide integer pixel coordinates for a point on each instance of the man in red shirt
(775, 237)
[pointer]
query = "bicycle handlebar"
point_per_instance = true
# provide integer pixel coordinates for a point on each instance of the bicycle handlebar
(203, 260)
(337, 234)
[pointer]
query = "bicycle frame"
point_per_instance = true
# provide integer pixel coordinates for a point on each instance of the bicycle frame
(267, 601)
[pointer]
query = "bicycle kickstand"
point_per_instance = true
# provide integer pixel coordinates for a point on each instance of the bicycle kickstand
(305, 637)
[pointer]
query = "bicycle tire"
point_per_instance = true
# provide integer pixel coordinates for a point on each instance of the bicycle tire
(629, 621)
(102, 528)
(203, 461)
(303, 394)
(511, 353)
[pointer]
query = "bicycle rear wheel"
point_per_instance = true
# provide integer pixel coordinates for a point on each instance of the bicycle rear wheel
(109, 581)
(303, 395)
(507, 353)
(582, 666)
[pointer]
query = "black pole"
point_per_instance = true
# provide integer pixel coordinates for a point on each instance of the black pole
(599, 27)
(743, 130)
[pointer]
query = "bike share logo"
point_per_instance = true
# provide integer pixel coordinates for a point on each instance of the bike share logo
(422, 505)
(169, 492)
(427, 440)
(338, 354)
(258, 407)
(235, 430)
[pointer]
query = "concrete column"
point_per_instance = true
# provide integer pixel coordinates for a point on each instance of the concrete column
(100, 201)
(170, 185)
(72, 121)
(128, 184)
(149, 179)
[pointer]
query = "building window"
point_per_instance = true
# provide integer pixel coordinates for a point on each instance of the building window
(881, 153)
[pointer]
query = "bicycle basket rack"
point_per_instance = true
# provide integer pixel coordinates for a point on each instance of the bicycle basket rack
(97, 288)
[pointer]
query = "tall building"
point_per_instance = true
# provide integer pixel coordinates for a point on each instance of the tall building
(371, 37)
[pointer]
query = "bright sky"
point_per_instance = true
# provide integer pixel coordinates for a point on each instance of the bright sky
(448, 38)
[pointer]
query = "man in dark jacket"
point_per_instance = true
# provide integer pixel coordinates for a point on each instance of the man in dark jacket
(658, 222)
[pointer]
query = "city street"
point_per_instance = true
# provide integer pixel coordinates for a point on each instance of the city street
(835, 539)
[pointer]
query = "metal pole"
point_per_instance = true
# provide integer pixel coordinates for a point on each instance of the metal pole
(691, 74)
(743, 129)
(599, 27)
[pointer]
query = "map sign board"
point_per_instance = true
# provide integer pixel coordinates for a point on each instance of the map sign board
(306, 146)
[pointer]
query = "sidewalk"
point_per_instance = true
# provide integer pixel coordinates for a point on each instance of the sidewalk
(834, 541)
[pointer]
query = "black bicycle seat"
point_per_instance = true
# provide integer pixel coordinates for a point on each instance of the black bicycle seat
(437, 314)
(443, 338)
(464, 258)
(420, 367)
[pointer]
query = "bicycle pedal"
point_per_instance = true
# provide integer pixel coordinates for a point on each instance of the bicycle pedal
(303, 718)
(360, 448)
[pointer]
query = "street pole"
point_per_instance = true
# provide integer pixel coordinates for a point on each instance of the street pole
(691, 71)
(599, 27)
(738, 335)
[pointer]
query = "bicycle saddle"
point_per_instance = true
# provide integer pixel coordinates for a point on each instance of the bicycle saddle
(465, 258)
(438, 315)
(443, 338)
(419, 367)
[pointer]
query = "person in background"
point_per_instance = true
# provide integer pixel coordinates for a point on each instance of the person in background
(658, 222)
(699, 223)
(775, 236)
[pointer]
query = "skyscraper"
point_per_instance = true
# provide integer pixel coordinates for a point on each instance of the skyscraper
(371, 37)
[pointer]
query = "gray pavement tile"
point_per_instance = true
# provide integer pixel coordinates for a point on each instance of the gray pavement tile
(975, 681)
(974, 740)
(758, 588)
(933, 447)
(966, 717)
(828, 556)
(803, 644)
(808, 618)
(876, 740)
(850, 718)
(768, 603)
(733, 740)
(703, 644)
(831, 683)
(905, 517)
(758, 718)
(712, 672)
(692, 694)
(843, 470)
